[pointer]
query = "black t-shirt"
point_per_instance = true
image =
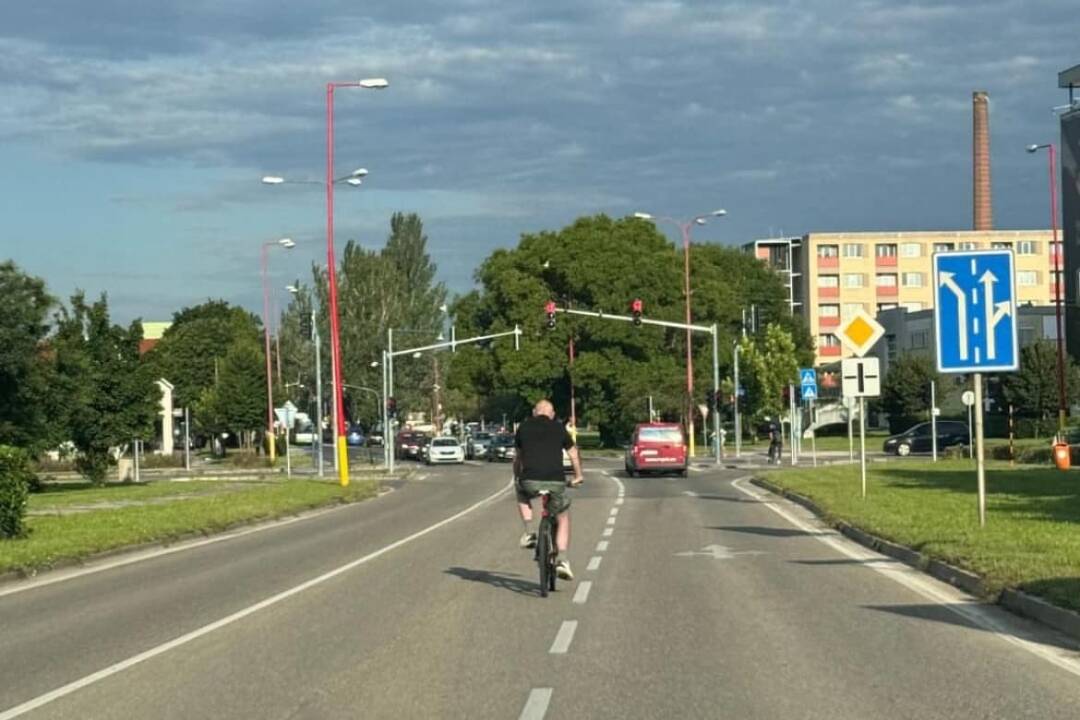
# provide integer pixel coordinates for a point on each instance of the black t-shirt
(540, 441)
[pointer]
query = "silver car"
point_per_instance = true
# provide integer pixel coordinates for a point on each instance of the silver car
(478, 445)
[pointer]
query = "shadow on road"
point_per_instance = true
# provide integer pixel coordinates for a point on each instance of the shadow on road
(943, 614)
(726, 498)
(845, 561)
(769, 531)
(512, 582)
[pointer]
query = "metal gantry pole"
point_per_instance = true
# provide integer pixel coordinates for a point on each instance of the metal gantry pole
(318, 394)
(862, 443)
(390, 393)
(387, 445)
(738, 424)
(716, 393)
(980, 465)
(187, 439)
(933, 420)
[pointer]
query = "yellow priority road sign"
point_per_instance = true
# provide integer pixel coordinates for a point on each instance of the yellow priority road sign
(859, 332)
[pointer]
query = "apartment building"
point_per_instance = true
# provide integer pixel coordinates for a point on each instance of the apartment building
(783, 254)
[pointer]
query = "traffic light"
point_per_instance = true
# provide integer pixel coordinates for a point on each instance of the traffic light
(305, 327)
(635, 309)
(391, 407)
(550, 310)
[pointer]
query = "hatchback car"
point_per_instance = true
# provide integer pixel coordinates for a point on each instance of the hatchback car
(478, 444)
(656, 447)
(445, 450)
(355, 436)
(919, 438)
(501, 448)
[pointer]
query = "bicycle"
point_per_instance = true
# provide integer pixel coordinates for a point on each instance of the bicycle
(546, 552)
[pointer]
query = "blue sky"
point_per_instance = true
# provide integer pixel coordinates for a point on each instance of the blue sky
(133, 133)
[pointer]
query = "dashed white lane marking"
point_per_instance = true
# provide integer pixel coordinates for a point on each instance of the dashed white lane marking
(582, 593)
(944, 595)
(619, 500)
(614, 512)
(602, 546)
(115, 668)
(611, 520)
(594, 562)
(564, 637)
(537, 704)
(607, 533)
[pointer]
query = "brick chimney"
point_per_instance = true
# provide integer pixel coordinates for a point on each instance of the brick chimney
(984, 219)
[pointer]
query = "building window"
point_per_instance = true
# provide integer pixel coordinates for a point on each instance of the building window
(852, 308)
(882, 307)
(829, 311)
(1027, 278)
(885, 250)
(1000, 245)
(885, 280)
(968, 245)
(919, 340)
(913, 279)
(827, 251)
(943, 247)
(1027, 335)
(853, 250)
(890, 346)
(911, 250)
(854, 280)
(1026, 247)
(912, 306)
(828, 340)
(828, 281)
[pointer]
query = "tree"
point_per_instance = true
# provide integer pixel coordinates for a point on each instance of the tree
(107, 395)
(771, 363)
(24, 387)
(1033, 389)
(236, 402)
(905, 394)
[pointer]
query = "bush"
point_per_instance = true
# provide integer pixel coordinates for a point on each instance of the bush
(16, 477)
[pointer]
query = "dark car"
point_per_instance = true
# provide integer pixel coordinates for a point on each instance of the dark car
(501, 448)
(409, 444)
(920, 438)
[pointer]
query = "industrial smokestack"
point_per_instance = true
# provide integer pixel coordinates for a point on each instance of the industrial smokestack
(984, 218)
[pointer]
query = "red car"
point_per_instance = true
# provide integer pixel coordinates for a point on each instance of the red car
(656, 447)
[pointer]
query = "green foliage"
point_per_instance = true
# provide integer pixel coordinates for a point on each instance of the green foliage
(236, 402)
(24, 386)
(769, 366)
(602, 264)
(1033, 389)
(108, 397)
(905, 394)
(16, 479)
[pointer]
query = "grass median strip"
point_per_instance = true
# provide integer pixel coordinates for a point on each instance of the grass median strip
(1032, 536)
(144, 516)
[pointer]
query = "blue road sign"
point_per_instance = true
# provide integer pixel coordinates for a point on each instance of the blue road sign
(975, 311)
(808, 383)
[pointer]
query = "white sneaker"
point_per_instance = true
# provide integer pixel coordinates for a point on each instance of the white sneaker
(562, 569)
(527, 541)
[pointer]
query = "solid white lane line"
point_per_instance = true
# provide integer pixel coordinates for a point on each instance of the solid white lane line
(115, 668)
(614, 511)
(607, 533)
(564, 637)
(602, 546)
(537, 704)
(619, 500)
(611, 521)
(913, 579)
(594, 562)
(582, 592)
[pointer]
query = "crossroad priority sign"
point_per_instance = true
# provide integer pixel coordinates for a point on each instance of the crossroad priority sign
(861, 377)
(859, 332)
(975, 311)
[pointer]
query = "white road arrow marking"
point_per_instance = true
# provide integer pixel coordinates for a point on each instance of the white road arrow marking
(994, 313)
(717, 552)
(961, 311)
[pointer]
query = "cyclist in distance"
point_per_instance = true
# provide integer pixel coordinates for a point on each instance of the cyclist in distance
(538, 466)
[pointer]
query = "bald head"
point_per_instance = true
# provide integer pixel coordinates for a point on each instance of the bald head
(545, 408)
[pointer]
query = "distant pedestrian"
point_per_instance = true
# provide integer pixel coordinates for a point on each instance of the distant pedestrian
(776, 444)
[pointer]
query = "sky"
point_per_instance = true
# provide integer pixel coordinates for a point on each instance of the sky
(133, 133)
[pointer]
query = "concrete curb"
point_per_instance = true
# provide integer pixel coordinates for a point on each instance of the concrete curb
(1011, 599)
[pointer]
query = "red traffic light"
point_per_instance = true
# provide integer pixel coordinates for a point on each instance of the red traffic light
(636, 305)
(549, 308)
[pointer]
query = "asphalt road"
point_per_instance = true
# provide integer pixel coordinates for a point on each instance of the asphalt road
(695, 598)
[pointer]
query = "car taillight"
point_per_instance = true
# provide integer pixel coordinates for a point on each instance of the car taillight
(634, 450)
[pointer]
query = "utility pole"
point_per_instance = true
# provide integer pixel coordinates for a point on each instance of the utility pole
(318, 393)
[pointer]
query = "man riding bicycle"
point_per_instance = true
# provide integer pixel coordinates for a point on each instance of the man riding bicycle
(538, 467)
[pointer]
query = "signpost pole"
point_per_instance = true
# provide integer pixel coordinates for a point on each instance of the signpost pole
(971, 444)
(738, 424)
(850, 434)
(813, 434)
(980, 468)
(862, 443)
(933, 420)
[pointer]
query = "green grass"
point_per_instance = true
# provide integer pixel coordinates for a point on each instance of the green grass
(1032, 536)
(55, 538)
(59, 496)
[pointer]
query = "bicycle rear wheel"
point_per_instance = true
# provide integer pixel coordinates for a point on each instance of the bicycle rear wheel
(543, 558)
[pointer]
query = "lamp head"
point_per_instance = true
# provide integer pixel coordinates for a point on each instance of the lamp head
(287, 243)
(374, 83)
(643, 216)
(272, 180)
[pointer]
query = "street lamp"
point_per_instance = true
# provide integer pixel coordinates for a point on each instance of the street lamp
(335, 333)
(1062, 402)
(685, 227)
(287, 244)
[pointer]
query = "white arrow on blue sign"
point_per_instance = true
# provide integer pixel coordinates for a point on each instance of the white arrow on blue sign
(975, 311)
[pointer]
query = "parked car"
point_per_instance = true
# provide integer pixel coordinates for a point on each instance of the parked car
(422, 448)
(477, 444)
(501, 448)
(305, 433)
(445, 450)
(656, 447)
(354, 435)
(409, 443)
(919, 437)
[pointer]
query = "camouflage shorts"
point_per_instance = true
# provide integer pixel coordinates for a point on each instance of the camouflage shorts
(528, 489)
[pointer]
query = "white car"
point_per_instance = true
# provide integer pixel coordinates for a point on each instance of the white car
(445, 450)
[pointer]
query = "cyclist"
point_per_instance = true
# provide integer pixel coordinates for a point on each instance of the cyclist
(540, 441)
(776, 444)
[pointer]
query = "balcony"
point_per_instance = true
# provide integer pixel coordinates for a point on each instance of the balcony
(885, 261)
(829, 351)
(828, 321)
(889, 291)
(828, 261)
(828, 292)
